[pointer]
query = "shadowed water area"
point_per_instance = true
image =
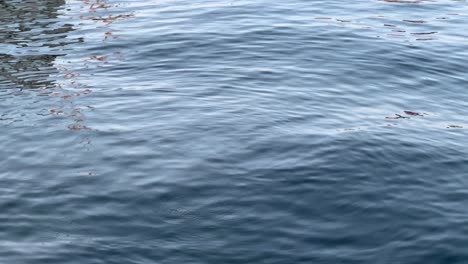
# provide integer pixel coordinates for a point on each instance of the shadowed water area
(244, 131)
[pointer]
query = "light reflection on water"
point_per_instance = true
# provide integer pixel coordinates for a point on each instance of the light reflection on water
(233, 132)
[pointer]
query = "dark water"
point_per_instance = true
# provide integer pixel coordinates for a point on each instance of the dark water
(243, 131)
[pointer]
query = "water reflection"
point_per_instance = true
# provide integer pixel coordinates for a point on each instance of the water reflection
(28, 71)
(33, 37)
(35, 54)
(72, 84)
(387, 27)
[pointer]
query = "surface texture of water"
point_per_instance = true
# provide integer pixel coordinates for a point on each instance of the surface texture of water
(244, 131)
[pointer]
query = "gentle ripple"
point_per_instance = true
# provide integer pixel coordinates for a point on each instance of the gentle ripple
(243, 131)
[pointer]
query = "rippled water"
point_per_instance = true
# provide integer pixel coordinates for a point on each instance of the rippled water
(243, 131)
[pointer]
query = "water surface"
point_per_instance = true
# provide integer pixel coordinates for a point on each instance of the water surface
(244, 131)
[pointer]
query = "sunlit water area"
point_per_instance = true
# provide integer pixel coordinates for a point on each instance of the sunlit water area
(243, 131)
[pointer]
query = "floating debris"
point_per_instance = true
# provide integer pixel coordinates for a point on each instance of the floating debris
(413, 113)
(56, 112)
(397, 116)
(425, 39)
(414, 21)
(424, 33)
(410, 113)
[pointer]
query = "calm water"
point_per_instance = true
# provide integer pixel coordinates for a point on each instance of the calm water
(244, 131)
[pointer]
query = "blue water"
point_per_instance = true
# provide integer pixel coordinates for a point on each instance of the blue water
(243, 131)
